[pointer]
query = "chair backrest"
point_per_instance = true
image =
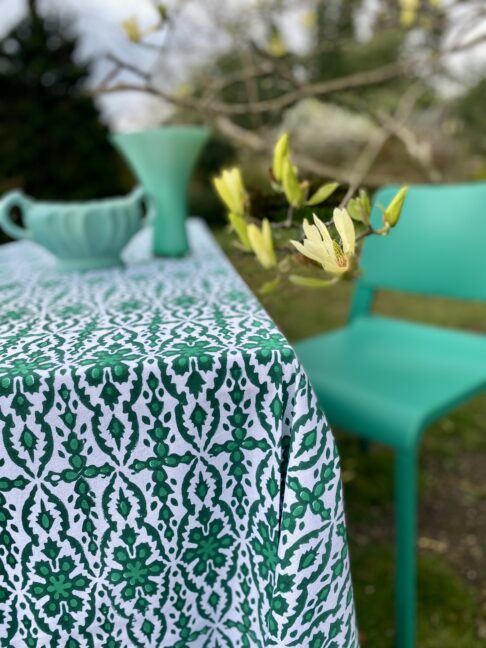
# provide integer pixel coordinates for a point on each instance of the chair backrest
(437, 248)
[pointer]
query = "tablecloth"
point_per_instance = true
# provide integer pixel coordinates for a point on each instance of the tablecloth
(166, 475)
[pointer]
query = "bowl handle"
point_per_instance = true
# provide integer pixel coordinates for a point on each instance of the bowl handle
(139, 194)
(10, 200)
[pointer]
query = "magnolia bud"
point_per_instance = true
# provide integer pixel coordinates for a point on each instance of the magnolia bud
(394, 209)
(280, 153)
(293, 190)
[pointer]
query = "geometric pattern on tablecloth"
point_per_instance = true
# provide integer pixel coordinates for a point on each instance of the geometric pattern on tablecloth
(166, 476)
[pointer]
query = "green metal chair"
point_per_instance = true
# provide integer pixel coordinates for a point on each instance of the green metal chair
(387, 379)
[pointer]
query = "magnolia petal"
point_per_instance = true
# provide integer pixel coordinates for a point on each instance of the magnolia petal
(318, 250)
(256, 240)
(267, 233)
(264, 253)
(224, 193)
(268, 241)
(326, 237)
(345, 228)
(311, 232)
(233, 181)
(240, 226)
(239, 186)
(293, 190)
(254, 236)
(305, 252)
(334, 268)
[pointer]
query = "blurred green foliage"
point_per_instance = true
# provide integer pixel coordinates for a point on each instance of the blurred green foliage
(52, 142)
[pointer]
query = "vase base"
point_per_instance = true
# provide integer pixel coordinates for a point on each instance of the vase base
(170, 253)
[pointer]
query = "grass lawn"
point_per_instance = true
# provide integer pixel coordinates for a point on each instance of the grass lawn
(452, 528)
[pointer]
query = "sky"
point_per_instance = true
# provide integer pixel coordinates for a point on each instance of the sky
(98, 23)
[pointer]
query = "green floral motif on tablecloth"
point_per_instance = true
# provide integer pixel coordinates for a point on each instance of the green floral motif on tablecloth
(265, 344)
(167, 479)
(136, 570)
(115, 359)
(192, 348)
(207, 545)
(27, 372)
(57, 586)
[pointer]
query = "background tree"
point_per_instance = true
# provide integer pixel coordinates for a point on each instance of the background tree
(52, 142)
(470, 108)
(382, 65)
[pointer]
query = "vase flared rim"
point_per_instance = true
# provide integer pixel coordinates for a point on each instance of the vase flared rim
(170, 128)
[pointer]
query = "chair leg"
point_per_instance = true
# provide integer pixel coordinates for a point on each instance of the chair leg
(406, 531)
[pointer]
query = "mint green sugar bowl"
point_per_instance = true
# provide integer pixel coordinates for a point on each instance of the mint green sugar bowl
(81, 235)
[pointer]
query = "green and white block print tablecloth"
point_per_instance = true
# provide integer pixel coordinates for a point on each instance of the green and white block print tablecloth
(166, 477)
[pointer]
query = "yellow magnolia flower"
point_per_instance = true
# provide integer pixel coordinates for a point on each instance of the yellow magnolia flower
(309, 19)
(409, 9)
(319, 246)
(261, 242)
(280, 153)
(132, 29)
(276, 44)
(183, 90)
(240, 226)
(231, 190)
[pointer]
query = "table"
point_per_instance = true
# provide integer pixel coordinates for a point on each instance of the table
(166, 476)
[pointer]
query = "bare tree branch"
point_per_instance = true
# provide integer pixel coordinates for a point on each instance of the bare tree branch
(351, 81)
(390, 126)
(259, 144)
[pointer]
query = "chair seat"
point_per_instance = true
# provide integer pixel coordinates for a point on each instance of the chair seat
(386, 379)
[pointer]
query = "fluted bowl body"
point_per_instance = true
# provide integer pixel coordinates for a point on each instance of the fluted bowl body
(81, 235)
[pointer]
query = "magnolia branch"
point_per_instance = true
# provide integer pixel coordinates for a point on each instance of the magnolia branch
(259, 144)
(390, 125)
(320, 89)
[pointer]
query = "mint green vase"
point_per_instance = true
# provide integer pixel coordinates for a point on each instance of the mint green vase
(163, 160)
